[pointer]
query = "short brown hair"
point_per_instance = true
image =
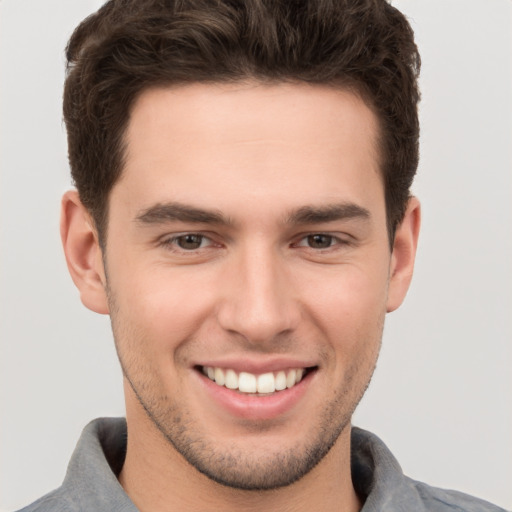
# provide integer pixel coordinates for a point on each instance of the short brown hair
(128, 46)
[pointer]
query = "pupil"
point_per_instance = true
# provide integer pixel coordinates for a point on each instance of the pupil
(320, 241)
(190, 241)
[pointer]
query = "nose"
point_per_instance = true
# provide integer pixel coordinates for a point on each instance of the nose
(259, 302)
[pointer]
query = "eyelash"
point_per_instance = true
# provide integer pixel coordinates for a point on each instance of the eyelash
(332, 239)
(172, 243)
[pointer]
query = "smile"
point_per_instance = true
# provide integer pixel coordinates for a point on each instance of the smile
(263, 384)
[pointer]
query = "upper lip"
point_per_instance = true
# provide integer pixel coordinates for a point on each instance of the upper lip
(258, 366)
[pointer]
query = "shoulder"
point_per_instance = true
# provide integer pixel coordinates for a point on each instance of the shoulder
(378, 477)
(55, 501)
(443, 500)
(91, 482)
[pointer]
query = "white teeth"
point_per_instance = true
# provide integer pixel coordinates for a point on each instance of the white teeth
(249, 383)
(266, 383)
(290, 378)
(219, 377)
(280, 381)
(231, 379)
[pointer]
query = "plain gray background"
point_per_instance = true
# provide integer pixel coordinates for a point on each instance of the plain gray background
(442, 394)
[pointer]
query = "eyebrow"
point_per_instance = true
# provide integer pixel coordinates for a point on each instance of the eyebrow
(179, 212)
(168, 212)
(327, 213)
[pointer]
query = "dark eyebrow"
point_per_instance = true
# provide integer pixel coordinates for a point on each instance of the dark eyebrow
(169, 212)
(327, 213)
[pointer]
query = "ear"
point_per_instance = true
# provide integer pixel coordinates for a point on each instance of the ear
(83, 253)
(403, 255)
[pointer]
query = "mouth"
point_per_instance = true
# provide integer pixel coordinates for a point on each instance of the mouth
(263, 384)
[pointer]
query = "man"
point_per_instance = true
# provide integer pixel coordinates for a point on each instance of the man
(243, 215)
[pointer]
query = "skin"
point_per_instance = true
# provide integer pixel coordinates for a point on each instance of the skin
(258, 290)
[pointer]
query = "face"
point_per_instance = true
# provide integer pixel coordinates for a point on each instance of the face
(248, 271)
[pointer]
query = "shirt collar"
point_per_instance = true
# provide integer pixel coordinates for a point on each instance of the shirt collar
(378, 477)
(92, 472)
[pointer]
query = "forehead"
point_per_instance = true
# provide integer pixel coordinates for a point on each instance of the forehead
(244, 141)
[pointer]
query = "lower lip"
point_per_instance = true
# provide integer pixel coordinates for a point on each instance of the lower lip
(252, 407)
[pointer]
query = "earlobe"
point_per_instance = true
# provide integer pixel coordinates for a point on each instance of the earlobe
(83, 253)
(403, 255)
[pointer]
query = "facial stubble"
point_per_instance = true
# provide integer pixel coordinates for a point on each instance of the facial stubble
(234, 467)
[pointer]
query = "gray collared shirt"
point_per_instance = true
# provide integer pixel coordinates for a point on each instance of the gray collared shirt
(91, 480)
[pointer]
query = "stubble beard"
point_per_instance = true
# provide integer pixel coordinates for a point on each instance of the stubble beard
(232, 466)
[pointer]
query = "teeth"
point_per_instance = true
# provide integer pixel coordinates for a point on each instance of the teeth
(219, 377)
(291, 378)
(231, 379)
(249, 383)
(280, 381)
(266, 383)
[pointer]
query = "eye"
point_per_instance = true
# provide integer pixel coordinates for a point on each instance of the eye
(190, 241)
(318, 241)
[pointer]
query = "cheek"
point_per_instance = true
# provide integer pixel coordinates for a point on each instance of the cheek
(349, 308)
(165, 308)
